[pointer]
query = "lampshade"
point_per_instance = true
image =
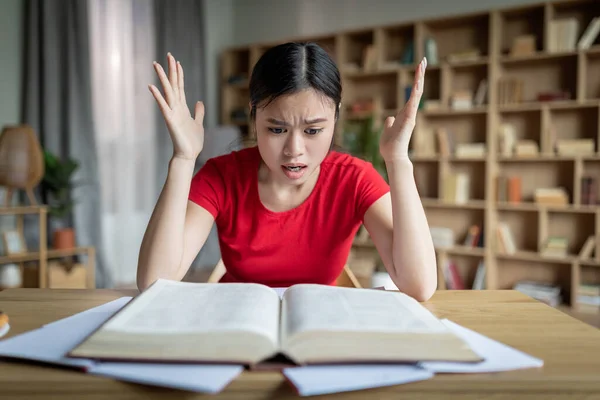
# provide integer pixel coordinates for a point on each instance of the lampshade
(21, 158)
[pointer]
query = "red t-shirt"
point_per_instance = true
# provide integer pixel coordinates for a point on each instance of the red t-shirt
(307, 244)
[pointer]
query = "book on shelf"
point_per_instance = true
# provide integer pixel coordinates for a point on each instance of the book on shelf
(507, 137)
(523, 45)
(464, 56)
(590, 34)
(587, 250)
(481, 93)
(508, 189)
(479, 281)
(445, 141)
(555, 246)
(588, 297)
(474, 237)
(452, 276)
(575, 147)
(470, 150)
(563, 35)
(454, 281)
(553, 196)
(250, 323)
(505, 240)
(461, 100)
(510, 91)
(544, 292)
(589, 190)
(456, 188)
(526, 148)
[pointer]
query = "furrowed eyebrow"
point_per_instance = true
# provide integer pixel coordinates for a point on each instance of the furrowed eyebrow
(306, 121)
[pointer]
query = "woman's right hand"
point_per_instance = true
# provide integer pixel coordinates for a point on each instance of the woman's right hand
(187, 133)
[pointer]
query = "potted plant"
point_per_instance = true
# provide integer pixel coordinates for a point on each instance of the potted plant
(58, 185)
(361, 138)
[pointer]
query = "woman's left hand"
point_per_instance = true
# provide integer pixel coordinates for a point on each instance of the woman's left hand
(397, 130)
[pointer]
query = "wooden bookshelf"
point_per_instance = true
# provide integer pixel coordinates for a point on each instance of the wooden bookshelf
(522, 87)
(40, 275)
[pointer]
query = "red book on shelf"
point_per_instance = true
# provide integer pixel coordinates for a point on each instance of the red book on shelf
(457, 283)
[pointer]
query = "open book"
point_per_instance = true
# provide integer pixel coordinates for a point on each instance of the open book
(250, 323)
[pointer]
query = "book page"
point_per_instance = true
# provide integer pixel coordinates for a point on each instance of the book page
(339, 324)
(323, 308)
(184, 307)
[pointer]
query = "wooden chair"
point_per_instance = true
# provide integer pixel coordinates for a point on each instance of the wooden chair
(346, 278)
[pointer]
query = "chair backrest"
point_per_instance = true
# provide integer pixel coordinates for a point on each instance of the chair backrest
(346, 278)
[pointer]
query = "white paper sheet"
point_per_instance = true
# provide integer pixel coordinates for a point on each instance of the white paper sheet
(102, 312)
(325, 379)
(196, 378)
(51, 342)
(498, 356)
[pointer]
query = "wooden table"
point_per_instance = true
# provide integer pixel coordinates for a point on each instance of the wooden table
(570, 349)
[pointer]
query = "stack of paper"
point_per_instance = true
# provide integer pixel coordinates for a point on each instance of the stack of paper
(50, 343)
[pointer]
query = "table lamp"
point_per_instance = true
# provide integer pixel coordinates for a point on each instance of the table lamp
(21, 161)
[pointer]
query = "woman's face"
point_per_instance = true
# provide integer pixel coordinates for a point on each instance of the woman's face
(294, 134)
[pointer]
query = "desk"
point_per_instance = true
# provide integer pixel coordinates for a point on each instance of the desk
(570, 349)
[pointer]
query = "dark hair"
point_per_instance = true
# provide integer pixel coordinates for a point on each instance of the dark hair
(290, 67)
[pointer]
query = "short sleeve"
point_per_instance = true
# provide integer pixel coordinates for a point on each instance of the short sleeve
(371, 186)
(207, 188)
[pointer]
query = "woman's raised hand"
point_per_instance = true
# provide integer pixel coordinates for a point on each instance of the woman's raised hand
(187, 132)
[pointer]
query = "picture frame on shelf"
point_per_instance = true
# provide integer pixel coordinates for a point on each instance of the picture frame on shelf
(13, 242)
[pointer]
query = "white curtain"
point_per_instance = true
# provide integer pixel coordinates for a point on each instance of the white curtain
(122, 49)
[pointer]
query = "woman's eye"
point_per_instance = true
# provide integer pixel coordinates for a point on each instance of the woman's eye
(276, 130)
(313, 131)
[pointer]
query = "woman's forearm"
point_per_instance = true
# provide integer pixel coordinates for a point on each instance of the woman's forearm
(413, 253)
(161, 250)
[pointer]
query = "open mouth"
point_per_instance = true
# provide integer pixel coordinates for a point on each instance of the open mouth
(293, 171)
(294, 167)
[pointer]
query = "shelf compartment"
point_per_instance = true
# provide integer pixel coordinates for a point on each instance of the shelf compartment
(453, 129)
(466, 267)
(523, 226)
(542, 174)
(237, 105)
(476, 178)
(591, 86)
(574, 123)
(468, 78)
(591, 169)
(457, 36)
(380, 87)
(576, 227)
(589, 274)
(518, 21)
(397, 46)
(355, 51)
(432, 88)
(459, 221)
(525, 125)
(582, 11)
(426, 179)
(526, 81)
(236, 67)
(512, 270)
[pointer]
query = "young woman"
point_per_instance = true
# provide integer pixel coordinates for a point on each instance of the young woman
(288, 209)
